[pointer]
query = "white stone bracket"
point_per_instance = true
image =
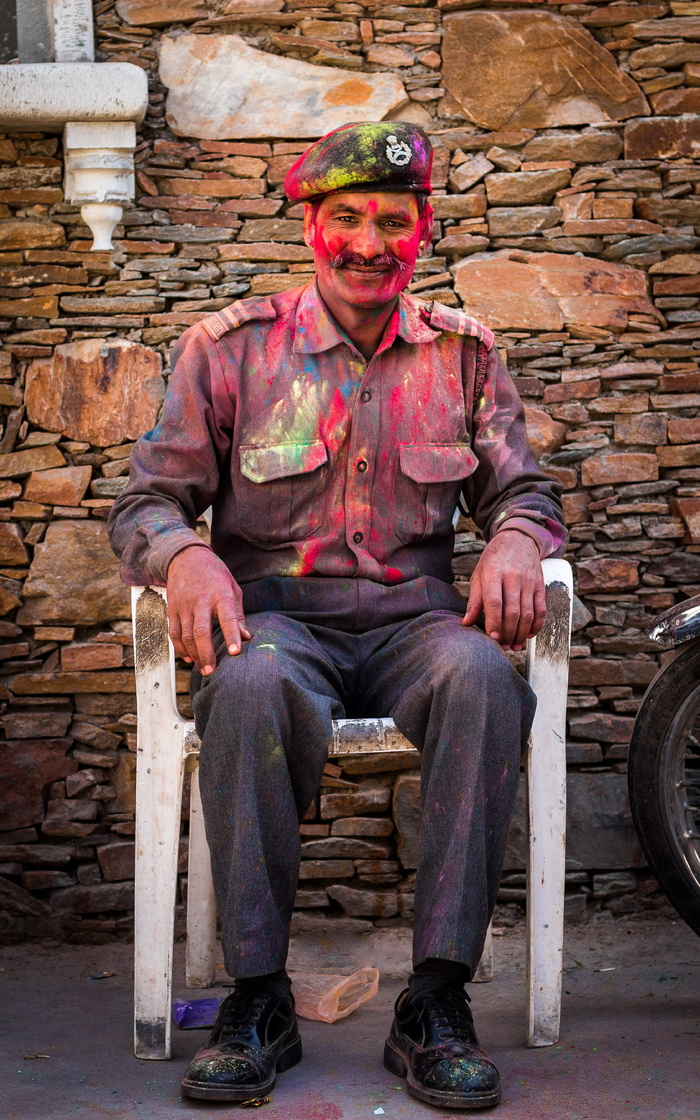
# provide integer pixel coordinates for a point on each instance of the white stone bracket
(99, 173)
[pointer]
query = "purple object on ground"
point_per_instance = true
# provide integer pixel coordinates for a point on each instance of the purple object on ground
(195, 1014)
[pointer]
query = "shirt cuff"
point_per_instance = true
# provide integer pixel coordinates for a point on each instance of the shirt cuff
(550, 538)
(160, 555)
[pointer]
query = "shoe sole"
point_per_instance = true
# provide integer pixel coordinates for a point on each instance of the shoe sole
(290, 1056)
(443, 1098)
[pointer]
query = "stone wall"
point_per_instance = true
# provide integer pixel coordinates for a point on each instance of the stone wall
(567, 207)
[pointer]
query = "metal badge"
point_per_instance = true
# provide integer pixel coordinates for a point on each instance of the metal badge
(397, 151)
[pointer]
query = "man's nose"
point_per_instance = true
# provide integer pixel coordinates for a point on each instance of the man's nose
(368, 241)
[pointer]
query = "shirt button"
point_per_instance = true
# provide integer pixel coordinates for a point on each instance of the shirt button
(362, 465)
(357, 537)
(365, 396)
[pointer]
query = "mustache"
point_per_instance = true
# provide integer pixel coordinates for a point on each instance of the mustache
(346, 259)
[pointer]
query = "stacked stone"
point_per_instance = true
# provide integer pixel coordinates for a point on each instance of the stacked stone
(567, 218)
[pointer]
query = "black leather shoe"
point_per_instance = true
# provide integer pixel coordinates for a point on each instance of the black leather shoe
(255, 1037)
(433, 1042)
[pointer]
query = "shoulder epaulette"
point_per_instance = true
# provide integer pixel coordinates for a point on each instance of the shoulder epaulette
(242, 311)
(458, 322)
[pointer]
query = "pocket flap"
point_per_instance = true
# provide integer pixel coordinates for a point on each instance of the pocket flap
(263, 464)
(437, 462)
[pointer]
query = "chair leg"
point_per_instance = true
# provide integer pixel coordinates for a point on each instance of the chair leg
(200, 967)
(484, 972)
(548, 658)
(159, 774)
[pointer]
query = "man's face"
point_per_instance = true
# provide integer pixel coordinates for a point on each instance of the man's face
(365, 244)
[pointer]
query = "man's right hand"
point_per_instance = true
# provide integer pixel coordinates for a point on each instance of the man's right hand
(201, 589)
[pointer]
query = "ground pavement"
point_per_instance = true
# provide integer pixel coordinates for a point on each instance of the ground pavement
(630, 1042)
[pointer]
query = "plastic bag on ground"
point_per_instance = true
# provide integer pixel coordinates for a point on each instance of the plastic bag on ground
(327, 997)
(195, 1014)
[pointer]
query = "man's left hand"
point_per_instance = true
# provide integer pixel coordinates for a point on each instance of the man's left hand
(507, 586)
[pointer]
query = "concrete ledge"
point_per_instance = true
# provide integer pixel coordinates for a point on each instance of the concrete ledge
(48, 95)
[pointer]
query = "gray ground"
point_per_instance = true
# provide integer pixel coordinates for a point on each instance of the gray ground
(630, 1042)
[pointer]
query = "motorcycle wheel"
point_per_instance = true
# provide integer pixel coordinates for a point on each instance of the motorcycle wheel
(664, 780)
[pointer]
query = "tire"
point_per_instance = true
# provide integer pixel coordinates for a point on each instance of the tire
(664, 780)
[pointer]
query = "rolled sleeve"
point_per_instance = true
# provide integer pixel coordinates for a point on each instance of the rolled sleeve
(175, 468)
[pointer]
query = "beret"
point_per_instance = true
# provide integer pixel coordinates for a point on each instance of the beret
(373, 155)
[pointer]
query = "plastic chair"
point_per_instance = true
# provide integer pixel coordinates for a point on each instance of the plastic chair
(168, 746)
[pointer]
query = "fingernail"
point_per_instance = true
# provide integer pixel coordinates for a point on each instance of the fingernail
(494, 634)
(233, 650)
(187, 660)
(207, 670)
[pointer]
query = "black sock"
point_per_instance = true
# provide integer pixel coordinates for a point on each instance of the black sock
(434, 973)
(278, 983)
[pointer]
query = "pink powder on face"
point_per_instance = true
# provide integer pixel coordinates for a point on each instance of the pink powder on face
(364, 231)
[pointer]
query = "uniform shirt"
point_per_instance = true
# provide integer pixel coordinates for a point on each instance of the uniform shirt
(318, 462)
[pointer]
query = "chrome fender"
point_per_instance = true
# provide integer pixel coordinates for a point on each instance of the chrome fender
(676, 625)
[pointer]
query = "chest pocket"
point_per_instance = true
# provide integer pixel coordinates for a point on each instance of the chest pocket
(429, 477)
(278, 489)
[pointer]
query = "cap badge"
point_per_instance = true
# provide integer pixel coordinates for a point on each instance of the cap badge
(397, 151)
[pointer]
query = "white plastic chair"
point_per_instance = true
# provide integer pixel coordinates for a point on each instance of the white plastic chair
(168, 744)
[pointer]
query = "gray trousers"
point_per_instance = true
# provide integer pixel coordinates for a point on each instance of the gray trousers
(334, 648)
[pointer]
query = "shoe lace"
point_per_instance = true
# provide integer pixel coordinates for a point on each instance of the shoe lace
(240, 1010)
(452, 1017)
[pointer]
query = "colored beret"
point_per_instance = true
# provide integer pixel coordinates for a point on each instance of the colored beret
(374, 155)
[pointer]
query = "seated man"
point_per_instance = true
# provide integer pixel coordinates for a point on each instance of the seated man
(332, 429)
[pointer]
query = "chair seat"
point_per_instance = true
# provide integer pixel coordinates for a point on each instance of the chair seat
(350, 736)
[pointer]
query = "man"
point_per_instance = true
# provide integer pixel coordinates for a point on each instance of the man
(332, 429)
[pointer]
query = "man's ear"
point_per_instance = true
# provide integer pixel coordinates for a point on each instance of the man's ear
(426, 228)
(309, 225)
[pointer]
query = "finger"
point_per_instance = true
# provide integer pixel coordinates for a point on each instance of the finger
(540, 602)
(189, 642)
(527, 614)
(475, 604)
(229, 611)
(206, 658)
(494, 608)
(511, 611)
(175, 634)
(231, 621)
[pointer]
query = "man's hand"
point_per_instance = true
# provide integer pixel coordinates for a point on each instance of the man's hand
(201, 589)
(507, 586)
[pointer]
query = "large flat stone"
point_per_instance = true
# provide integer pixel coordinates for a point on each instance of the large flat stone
(607, 573)
(591, 146)
(525, 69)
(100, 391)
(600, 833)
(544, 291)
(518, 221)
(525, 188)
(65, 486)
(662, 137)
(543, 433)
(406, 812)
(270, 96)
(26, 766)
(74, 578)
(151, 13)
(599, 828)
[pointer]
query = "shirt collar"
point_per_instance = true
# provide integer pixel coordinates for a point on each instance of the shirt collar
(316, 330)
